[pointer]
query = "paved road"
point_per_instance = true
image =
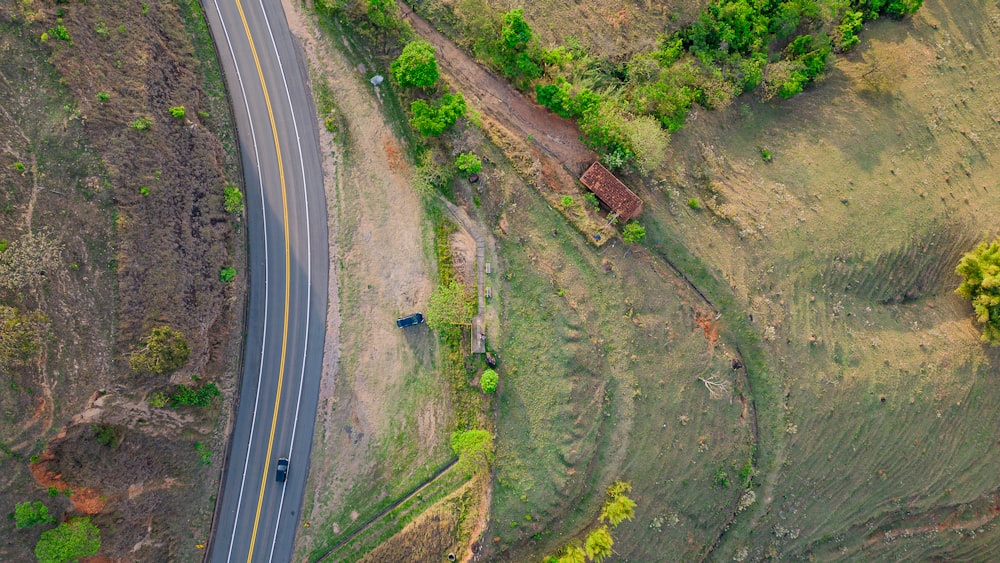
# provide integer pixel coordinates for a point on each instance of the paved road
(287, 224)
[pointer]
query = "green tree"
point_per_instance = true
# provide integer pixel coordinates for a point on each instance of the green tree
(435, 118)
(981, 270)
(449, 305)
(474, 449)
(69, 541)
(633, 232)
(488, 381)
(598, 544)
(647, 141)
(28, 514)
(618, 509)
(573, 554)
(416, 66)
(163, 351)
(468, 163)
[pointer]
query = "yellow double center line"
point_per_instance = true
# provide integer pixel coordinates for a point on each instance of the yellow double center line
(288, 276)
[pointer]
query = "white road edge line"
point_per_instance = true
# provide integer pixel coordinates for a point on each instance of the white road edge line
(305, 194)
(260, 370)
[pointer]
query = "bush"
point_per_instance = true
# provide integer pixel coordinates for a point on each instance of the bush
(108, 435)
(164, 350)
(981, 270)
(633, 233)
(488, 381)
(468, 163)
(195, 397)
(70, 541)
(141, 123)
(103, 96)
(416, 66)
(177, 112)
(28, 514)
(449, 305)
(693, 203)
(592, 200)
(227, 275)
(233, 199)
(566, 201)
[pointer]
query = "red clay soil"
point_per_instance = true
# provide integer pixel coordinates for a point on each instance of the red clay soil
(557, 137)
(85, 500)
(707, 322)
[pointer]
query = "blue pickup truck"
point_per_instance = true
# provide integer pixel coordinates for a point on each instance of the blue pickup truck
(410, 320)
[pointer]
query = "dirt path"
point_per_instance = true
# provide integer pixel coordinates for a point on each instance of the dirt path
(558, 138)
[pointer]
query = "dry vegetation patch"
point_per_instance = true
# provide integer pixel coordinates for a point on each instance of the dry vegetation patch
(138, 219)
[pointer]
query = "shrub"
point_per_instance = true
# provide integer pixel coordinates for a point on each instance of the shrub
(450, 304)
(566, 201)
(58, 32)
(164, 350)
(766, 155)
(144, 190)
(158, 399)
(177, 112)
(20, 335)
(204, 454)
(618, 509)
(633, 233)
(233, 199)
(19, 166)
(416, 66)
(488, 381)
(142, 123)
(28, 514)
(196, 397)
(108, 435)
(468, 163)
(693, 203)
(227, 275)
(981, 270)
(592, 200)
(70, 541)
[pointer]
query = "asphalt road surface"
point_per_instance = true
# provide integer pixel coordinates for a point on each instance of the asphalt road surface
(287, 228)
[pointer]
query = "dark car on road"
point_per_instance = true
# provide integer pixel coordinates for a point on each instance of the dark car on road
(282, 470)
(414, 319)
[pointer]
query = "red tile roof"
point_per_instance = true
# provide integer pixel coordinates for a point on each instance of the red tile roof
(612, 191)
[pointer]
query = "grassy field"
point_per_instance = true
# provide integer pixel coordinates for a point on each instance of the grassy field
(843, 249)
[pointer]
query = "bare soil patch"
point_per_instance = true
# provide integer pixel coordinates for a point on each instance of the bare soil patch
(383, 419)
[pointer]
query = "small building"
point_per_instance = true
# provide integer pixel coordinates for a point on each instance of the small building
(622, 201)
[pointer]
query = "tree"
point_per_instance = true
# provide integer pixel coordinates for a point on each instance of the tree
(633, 232)
(69, 541)
(474, 449)
(647, 141)
(573, 554)
(981, 270)
(416, 66)
(618, 509)
(28, 514)
(165, 350)
(449, 305)
(20, 335)
(435, 118)
(488, 381)
(468, 163)
(598, 544)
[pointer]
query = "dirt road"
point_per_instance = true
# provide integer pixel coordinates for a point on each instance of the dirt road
(558, 138)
